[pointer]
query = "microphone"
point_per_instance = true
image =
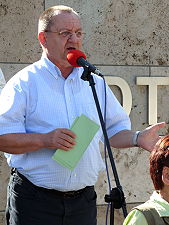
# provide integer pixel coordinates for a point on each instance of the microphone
(77, 58)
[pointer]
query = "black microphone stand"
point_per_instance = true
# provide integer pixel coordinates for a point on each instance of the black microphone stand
(116, 197)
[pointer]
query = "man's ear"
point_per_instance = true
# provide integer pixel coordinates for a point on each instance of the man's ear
(165, 175)
(42, 38)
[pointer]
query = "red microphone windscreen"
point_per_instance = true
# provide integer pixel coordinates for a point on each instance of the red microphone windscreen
(73, 56)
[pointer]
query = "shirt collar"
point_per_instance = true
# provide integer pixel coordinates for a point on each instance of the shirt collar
(161, 205)
(55, 71)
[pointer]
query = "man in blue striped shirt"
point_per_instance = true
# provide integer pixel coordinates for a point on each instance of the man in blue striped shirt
(37, 107)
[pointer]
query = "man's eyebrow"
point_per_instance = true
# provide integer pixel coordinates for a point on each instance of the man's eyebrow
(65, 29)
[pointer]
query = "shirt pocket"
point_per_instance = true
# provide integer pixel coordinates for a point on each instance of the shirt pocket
(89, 110)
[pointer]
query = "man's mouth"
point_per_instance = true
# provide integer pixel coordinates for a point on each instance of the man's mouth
(70, 48)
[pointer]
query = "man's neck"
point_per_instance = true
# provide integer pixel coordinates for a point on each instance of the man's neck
(65, 68)
(65, 71)
(165, 193)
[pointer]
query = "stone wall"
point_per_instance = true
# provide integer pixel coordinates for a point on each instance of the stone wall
(127, 40)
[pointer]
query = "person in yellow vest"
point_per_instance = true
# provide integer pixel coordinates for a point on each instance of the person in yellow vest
(156, 210)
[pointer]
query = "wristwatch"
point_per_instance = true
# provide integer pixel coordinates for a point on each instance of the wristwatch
(135, 138)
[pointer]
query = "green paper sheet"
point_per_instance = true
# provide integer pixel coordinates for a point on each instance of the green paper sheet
(85, 129)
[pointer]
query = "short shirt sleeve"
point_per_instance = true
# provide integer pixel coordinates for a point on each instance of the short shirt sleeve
(116, 118)
(12, 108)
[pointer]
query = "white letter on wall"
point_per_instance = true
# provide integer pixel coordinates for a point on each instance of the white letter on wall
(152, 83)
(125, 89)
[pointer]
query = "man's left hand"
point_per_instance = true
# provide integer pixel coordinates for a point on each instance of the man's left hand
(149, 137)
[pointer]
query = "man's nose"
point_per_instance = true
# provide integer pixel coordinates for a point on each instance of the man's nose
(73, 37)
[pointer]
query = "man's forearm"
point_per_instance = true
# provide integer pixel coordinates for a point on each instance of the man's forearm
(18, 143)
(123, 139)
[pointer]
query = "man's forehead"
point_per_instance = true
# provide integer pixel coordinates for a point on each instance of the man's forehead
(64, 16)
(66, 20)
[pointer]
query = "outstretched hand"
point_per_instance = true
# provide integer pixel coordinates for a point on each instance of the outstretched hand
(149, 137)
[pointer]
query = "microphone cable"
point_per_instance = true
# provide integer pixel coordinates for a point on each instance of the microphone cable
(105, 150)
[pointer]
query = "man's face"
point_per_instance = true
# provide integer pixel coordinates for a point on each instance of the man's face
(67, 37)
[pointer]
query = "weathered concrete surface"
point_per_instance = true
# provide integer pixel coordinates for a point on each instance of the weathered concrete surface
(2, 219)
(122, 32)
(118, 214)
(10, 69)
(132, 168)
(18, 39)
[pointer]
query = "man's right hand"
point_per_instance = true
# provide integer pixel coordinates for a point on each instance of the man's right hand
(60, 138)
